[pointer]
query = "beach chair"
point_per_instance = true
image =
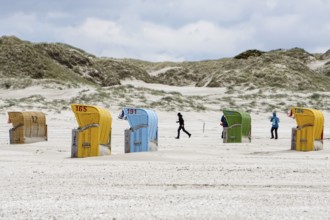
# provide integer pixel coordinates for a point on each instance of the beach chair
(94, 130)
(142, 136)
(28, 127)
(239, 127)
(308, 134)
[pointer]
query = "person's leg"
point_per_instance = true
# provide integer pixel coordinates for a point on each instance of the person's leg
(223, 132)
(276, 133)
(272, 132)
(178, 132)
(186, 132)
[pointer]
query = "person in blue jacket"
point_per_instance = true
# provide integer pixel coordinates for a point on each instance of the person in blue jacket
(275, 121)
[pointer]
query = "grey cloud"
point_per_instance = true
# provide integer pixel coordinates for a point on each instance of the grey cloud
(171, 29)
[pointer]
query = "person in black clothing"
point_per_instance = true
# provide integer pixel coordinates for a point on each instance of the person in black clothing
(181, 126)
(223, 123)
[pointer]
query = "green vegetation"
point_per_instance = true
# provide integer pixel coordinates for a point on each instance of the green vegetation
(252, 80)
(61, 63)
(280, 69)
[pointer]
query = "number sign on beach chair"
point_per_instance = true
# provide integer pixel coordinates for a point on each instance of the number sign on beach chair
(94, 130)
(28, 127)
(308, 135)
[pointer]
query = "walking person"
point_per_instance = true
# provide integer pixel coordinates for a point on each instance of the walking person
(181, 126)
(223, 123)
(275, 121)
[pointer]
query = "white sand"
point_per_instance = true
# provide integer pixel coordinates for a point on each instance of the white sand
(49, 93)
(184, 90)
(317, 64)
(163, 70)
(196, 178)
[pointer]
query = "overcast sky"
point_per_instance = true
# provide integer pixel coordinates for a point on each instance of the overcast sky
(170, 30)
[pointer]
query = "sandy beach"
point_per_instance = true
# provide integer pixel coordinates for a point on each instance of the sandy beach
(196, 178)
